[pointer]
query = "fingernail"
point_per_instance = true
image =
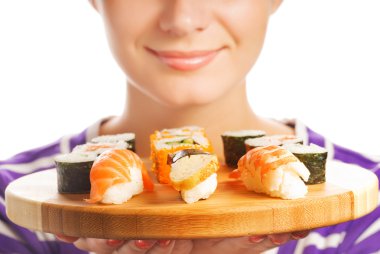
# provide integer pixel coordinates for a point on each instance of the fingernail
(256, 238)
(164, 243)
(67, 239)
(113, 243)
(278, 241)
(300, 234)
(144, 244)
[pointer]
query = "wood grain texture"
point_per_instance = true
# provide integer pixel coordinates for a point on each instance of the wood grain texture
(33, 202)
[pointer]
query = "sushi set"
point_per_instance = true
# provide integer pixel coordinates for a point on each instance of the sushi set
(270, 184)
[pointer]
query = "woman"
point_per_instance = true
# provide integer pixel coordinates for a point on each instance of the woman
(186, 63)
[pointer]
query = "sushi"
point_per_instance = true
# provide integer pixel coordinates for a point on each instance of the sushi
(164, 143)
(193, 174)
(273, 170)
(314, 157)
(184, 131)
(127, 138)
(73, 170)
(277, 140)
(98, 148)
(116, 176)
(233, 144)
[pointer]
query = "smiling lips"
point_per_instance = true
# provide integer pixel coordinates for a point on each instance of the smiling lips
(185, 60)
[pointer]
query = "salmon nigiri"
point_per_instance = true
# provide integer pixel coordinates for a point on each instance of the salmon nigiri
(273, 170)
(116, 176)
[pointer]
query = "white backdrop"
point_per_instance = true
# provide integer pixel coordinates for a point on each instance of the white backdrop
(327, 52)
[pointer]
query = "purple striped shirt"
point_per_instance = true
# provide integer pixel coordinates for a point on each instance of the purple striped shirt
(357, 236)
(360, 236)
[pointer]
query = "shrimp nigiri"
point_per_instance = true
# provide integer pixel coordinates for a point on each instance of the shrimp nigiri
(116, 176)
(273, 170)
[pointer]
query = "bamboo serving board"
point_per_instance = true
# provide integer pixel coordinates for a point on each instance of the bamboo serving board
(33, 202)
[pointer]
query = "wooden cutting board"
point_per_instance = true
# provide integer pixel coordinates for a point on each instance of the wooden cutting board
(33, 202)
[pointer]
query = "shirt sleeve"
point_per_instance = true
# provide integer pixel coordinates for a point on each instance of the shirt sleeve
(16, 239)
(355, 237)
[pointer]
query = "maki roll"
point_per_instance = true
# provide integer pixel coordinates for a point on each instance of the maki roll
(116, 176)
(98, 148)
(193, 174)
(73, 170)
(128, 138)
(233, 144)
(178, 132)
(314, 157)
(276, 140)
(273, 170)
(162, 147)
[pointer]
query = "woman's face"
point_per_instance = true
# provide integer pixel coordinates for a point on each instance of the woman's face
(186, 52)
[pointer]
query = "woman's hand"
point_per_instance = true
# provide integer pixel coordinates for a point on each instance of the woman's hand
(103, 246)
(242, 245)
(239, 245)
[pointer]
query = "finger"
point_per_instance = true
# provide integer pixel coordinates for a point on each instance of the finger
(264, 245)
(82, 244)
(210, 241)
(239, 243)
(206, 243)
(279, 239)
(114, 243)
(252, 244)
(66, 239)
(257, 238)
(165, 243)
(300, 234)
(162, 247)
(100, 246)
(182, 246)
(136, 246)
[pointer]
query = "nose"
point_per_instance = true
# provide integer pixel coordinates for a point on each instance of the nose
(183, 17)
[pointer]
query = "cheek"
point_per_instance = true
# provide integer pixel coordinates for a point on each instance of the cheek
(126, 23)
(246, 23)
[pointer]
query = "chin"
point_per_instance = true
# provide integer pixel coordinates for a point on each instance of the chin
(184, 90)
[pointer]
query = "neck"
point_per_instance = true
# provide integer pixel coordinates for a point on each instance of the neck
(157, 115)
(143, 115)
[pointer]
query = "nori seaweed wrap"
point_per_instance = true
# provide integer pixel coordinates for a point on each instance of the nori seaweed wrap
(233, 144)
(73, 172)
(314, 158)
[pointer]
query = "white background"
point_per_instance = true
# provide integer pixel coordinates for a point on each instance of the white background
(57, 75)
